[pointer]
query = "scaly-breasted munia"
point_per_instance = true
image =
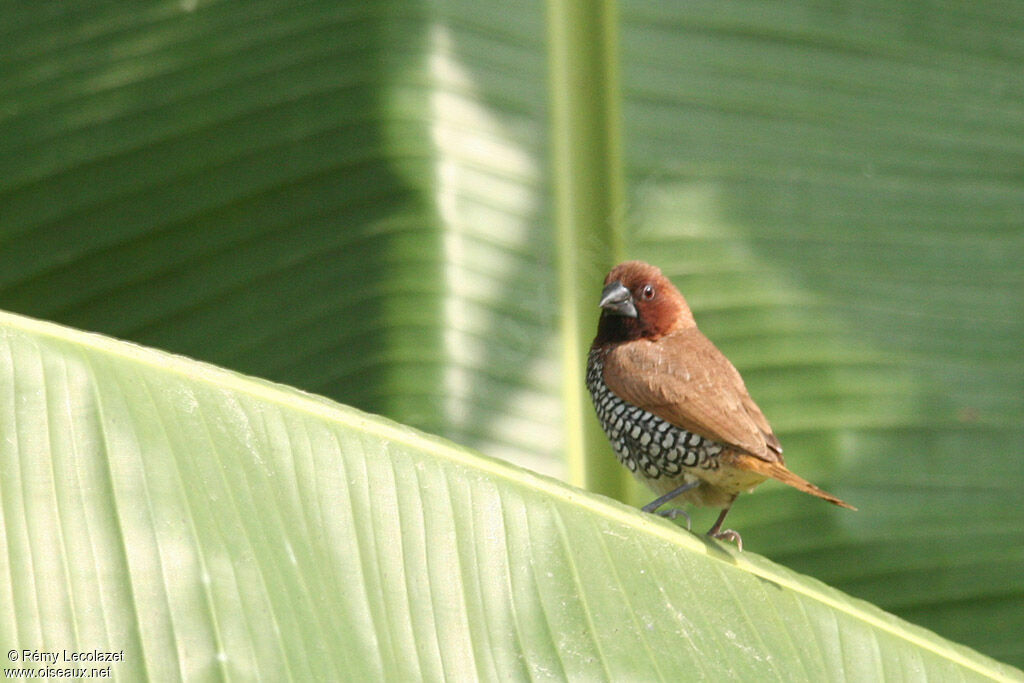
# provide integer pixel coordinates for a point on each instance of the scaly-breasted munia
(674, 408)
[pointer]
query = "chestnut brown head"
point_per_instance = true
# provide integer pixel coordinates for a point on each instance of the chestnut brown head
(638, 302)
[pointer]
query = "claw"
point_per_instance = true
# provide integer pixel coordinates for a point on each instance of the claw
(728, 535)
(674, 513)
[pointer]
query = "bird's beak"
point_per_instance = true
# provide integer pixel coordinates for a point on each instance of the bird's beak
(615, 298)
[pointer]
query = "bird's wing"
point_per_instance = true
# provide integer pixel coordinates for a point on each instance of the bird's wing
(684, 379)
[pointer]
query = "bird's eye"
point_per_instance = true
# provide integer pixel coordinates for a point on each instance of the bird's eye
(648, 292)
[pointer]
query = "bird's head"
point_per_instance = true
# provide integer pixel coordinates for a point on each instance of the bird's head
(638, 302)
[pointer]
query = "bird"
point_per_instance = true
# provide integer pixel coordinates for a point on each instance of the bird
(675, 410)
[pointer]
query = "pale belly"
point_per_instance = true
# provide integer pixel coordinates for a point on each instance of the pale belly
(718, 486)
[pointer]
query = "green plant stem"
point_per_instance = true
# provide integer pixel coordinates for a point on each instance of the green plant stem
(588, 177)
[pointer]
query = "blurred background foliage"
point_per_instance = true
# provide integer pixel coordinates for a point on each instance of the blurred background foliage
(355, 199)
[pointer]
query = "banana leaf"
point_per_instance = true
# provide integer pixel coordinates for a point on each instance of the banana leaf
(368, 201)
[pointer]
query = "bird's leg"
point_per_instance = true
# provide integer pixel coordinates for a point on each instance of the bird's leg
(674, 512)
(726, 534)
(658, 502)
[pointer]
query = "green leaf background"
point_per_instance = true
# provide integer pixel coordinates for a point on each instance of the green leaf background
(205, 525)
(359, 200)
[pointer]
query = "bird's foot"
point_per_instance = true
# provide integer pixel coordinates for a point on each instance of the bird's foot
(727, 535)
(716, 531)
(675, 513)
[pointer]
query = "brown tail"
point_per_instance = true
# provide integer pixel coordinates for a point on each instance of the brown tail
(777, 471)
